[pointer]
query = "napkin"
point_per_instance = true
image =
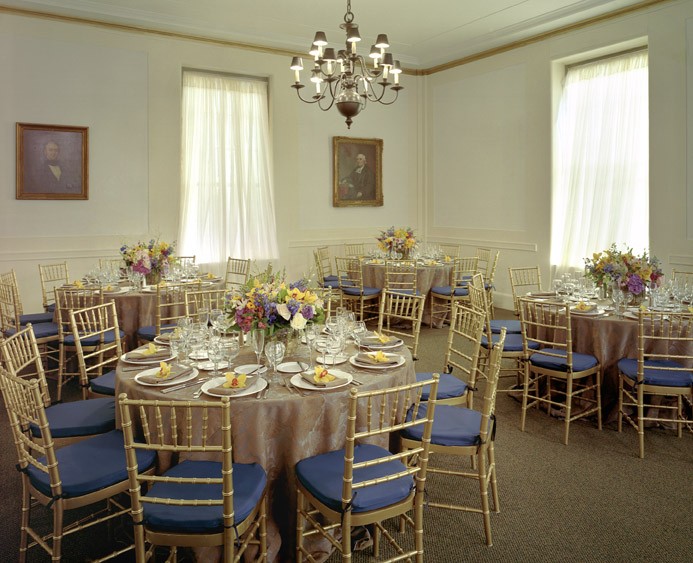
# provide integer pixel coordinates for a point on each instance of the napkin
(147, 354)
(174, 372)
(235, 383)
(166, 336)
(376, 338)
(321, 378)
(375, 359)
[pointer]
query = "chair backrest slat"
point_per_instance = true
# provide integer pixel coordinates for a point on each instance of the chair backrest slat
(522, 281)
(52, 276)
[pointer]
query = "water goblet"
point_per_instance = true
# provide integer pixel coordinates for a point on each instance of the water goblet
(359, 331)
(231, 348)
(311, 332)
(177, 345)
(215, 352)
(214, 315)
(203, 315)
(274, 350)
(335, 345)
(257, 341)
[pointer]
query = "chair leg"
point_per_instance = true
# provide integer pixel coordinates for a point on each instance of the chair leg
(26, 510)
(57, 530)
(598, 384)
(641, 422)
(346, 538)
(263, 531)
(620, 403)
(525, 392)
(483, 488)
(494, 484)
(568, 407)
(300, 507)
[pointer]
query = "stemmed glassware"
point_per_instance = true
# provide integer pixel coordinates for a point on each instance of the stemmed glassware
(214, 316)
(359, 331)
(257, 341)
(231, 349)
(274, 350)
(215, 352)
(311, 332)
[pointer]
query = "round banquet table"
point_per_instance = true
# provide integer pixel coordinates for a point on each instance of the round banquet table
(427, 277)
(280, 430)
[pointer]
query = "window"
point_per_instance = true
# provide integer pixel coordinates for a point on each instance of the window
(600, 193)
(227, 202)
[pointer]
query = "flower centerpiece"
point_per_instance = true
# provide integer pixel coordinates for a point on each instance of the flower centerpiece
(624, 270)
(149, 259)
(401, 240)
(269, 303)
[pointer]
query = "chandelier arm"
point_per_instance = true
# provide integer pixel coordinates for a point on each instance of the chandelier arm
(314, 99)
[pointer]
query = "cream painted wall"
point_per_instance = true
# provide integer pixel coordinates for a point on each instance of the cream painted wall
(126, 88)
(488, 162)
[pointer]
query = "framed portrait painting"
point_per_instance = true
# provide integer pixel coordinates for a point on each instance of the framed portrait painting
(358, 172)
(52, 162)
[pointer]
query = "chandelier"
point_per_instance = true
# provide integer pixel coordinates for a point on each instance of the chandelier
(346, 79)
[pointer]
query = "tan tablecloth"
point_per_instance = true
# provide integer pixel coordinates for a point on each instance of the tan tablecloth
(426, 278)
(282, 429)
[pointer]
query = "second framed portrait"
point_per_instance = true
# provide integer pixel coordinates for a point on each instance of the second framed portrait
(357, 172)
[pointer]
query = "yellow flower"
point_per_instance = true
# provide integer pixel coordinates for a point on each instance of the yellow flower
(378, 356)
(78, 284)
(164, 370)
(322, 375)
(234, 381)
(151, 349)
(384, 338)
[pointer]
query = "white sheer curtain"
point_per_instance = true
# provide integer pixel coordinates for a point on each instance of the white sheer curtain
(227, 201)
(600, 193)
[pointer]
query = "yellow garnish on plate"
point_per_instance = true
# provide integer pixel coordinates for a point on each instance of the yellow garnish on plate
(582, 306)
(643, 307)
(234, 380)
(378, 356)
(448, 258)
(78, 284)
(164, 370)
(384, 338)
(323, 376)
(690, 309)
(210, 276)
(151, 349)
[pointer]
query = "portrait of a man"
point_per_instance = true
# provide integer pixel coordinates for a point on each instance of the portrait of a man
(357, 172)
(51, 162)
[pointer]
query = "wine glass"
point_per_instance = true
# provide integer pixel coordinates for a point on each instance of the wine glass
(617, 297)
(335, 345)
(231, 349)
(359, 331)
(215, 352)
(274, 350)
(177, 345)
(257, 341)
(311, 332)
(214, 315)
(203, 315)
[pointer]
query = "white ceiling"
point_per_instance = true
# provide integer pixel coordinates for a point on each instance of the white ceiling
(422, 34)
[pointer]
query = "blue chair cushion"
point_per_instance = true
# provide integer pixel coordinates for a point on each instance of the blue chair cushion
(249, 480)
(581, 362)
(36, 318)
(452, 426)
(108, 338)
(104, 384)
(90, 465)
(367, 291)
(449, 386)
(332, 284)
(322, 475)
(51, 308)
(511, 327)
(79, 418)
(446, 290)
(149, 332)
(406, 291)
(513, 342)
(330, 278)
(41, 330)
(662, 377)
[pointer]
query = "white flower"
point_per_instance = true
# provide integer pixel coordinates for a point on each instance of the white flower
(283, 311)
(298, 322)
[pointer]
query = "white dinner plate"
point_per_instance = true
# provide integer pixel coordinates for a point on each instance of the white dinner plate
(291, 367)
(201, 355)
(144, 361)
(256, 386)
(630, 315)
(164, 383)
(329, 360)
(400, 361)
(158, 340)
(149, 289)
(591, 313)
(251, 368)
(298, 381)
(209, 365)
(116, 291)
(394, 343)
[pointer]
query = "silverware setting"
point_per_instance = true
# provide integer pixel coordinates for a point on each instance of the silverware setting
(186, 384)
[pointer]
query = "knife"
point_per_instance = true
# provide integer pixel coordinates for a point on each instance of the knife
(186, 384)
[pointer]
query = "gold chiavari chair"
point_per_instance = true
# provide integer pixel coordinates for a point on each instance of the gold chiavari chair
(115, 263)
(70, 422)
(196, 502)
(400, 317)
(461, 431)
(71, 299)
(354, 249)
(661, 370)
(24, 318)
(555, 370)
(513, 348)
(489, 280)
(98, 347)
(460, 364)
(323, 267)
(400, 276)
(450, 250)
(443, 297)
(204, 300)
(170, 306)
(52, 276)
(687, 277)
(364, 484)
(364, 301)
(523, 281)
(57, 478)
(237, 272)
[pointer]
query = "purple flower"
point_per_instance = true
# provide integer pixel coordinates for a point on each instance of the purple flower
(635, 284)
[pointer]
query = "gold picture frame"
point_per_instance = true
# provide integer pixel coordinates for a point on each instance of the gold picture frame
(357, 172)
(52, 161)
